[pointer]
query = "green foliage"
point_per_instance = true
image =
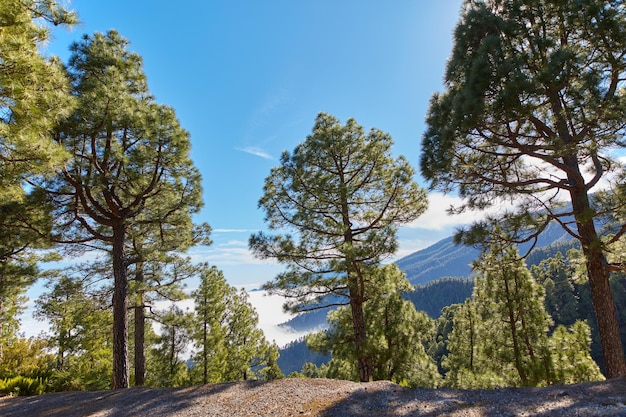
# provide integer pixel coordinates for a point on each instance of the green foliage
(396, 335)
(500, 336)
(271, 370)
(80, 323)
(21, 385)
(337, 199)
(533, 111)
(437, 343)
(169, 368)
(26, 357)
(20, 252)
(230, 346)
(561, 301)
(310, 370)
(34, 94)
(568, 295)
(571, 360)
(156, 277)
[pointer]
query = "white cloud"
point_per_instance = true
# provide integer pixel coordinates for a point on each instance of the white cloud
(216, 231)
(232, 252)
(436, 216)
(271, 314)
(252, 150)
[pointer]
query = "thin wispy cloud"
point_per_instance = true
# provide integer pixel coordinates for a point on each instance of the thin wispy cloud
(226, 254)
(252, 150)
(234, 230)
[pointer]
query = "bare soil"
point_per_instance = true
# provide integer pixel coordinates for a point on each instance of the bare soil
(325, 398)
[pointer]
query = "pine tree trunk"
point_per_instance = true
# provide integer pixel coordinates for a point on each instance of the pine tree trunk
(120, 312)
(606, 314)
(517, 355)
(172, 353)
(205, 349)
(358, 323)
(597, 271)
(1, 330)
(139, 336)
(601, 295)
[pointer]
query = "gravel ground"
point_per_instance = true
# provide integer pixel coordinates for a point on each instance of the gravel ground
(325, 398)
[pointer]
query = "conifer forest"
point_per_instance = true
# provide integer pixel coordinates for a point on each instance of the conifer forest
(96, 175)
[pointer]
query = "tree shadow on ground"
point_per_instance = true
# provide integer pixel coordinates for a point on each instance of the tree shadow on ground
(136, 401)
(590, 399)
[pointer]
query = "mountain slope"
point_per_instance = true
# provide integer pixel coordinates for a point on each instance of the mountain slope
(447, 259)
(442, 259)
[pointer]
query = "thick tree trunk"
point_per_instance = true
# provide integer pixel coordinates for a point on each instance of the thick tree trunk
(597, 271)
(606, 314)
(120, 311)
(601, 296)
(358, 323)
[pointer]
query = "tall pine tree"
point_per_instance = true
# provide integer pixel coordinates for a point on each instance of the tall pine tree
(129, 166)
(337, 200)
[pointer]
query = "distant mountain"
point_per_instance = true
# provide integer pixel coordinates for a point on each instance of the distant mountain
(293, 357)
(447, 259)
(434, 296)
(443, 259)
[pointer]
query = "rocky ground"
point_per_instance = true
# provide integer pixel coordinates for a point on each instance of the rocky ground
(329, 398)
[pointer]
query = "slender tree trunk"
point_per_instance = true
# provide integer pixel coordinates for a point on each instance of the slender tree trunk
(205, 348)
(172, 353)
(120, 310)
(513, 329)
(1, 330)
(470, 317)
(140, 331)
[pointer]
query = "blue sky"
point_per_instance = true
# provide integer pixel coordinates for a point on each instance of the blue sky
(247, 79)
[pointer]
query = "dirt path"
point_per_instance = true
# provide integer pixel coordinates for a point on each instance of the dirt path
(325, 398)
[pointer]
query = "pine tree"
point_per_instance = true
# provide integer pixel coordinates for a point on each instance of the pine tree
(501, 336)
(80, 323)
(229, 344)
(532, 112)
(212, 303)
(245, 342)
(343, 195)
(555, 276)
(507, 294)
(396, 335)
(158, 277)
(130, 171)
(170, 369)
(571, 360)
